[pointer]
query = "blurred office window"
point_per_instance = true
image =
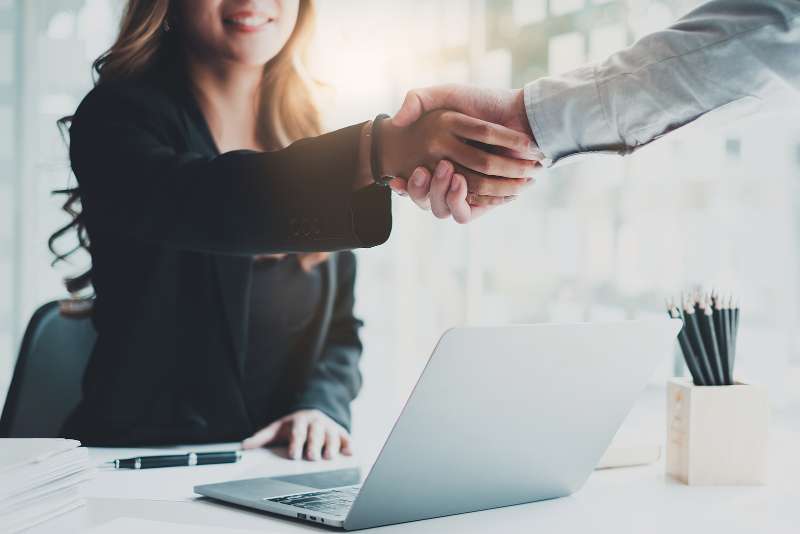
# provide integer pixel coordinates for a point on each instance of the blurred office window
(457, 30)
(9, 32)
(7, 50)
(733, 148)
(528, 11)
(563, 7)
(46, 49)
(605, 40)
(566, 51)
(647, 16)
(604, 240)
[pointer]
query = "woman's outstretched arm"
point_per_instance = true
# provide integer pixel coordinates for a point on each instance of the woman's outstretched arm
(135, 182)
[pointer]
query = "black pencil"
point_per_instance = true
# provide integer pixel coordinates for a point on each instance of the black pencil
(710, 339)
(734, 331)
(690, 319)
(686, 348)
(722, 338)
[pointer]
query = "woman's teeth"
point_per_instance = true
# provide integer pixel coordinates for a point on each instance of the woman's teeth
(254, 20)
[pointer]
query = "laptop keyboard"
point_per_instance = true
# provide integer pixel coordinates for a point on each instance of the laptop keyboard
(336, 502)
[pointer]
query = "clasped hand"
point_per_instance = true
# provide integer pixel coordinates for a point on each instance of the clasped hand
(459, 150)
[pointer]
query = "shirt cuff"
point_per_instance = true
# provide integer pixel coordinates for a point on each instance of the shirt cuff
(568, 118)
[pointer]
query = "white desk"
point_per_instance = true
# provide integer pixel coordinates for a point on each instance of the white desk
(631, 500)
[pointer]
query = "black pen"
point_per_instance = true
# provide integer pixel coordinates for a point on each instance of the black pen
(176, 460)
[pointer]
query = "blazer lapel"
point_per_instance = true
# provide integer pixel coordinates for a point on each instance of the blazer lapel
(235, 275)
(328, 302)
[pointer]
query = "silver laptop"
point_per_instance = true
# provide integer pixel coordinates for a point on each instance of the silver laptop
(500, 416)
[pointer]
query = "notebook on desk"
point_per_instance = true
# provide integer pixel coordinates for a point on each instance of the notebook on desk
(40, 479)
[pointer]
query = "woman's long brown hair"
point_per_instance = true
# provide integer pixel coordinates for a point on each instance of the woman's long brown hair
(288, 112)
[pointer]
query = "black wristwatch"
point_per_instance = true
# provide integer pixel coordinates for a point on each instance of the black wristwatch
(374, 153)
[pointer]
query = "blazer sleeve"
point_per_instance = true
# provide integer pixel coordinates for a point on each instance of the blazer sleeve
(335, 379)
(136, 181)
(731, 54)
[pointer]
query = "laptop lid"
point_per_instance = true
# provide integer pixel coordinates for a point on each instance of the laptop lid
(509, 415)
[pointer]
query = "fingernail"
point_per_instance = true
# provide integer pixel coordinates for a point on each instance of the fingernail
(420, 178)
(441, 169)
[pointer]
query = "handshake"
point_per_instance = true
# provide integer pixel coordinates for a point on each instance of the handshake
(459, 150)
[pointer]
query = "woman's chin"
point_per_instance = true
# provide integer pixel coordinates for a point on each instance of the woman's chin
(248, 55)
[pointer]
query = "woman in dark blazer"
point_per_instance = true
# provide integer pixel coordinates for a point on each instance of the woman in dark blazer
(207, 195)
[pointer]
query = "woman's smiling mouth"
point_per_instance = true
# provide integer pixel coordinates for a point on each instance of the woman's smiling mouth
(248, 21)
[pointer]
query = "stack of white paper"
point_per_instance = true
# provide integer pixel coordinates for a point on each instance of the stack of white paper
(40, 479)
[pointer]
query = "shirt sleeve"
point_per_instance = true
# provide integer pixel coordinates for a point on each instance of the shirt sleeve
(726, 55)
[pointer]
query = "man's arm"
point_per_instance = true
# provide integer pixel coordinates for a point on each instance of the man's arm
(724, 53)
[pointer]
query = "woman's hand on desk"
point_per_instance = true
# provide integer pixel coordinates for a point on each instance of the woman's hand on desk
(308, 433)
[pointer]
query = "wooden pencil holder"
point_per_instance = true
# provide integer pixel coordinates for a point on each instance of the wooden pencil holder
(717, 435)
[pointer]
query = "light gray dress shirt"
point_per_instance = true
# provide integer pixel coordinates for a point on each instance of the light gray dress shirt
(726, 55)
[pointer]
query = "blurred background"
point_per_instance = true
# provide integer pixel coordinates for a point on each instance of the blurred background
(603, 240)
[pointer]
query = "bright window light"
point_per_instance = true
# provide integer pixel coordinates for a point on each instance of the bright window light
(61, 26)
(563, 7)
(566, 52)
(528, 11)
(606, 40)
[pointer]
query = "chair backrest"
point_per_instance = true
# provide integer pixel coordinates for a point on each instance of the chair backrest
(46, 385)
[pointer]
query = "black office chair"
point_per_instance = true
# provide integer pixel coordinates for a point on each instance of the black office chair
(46, 385)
